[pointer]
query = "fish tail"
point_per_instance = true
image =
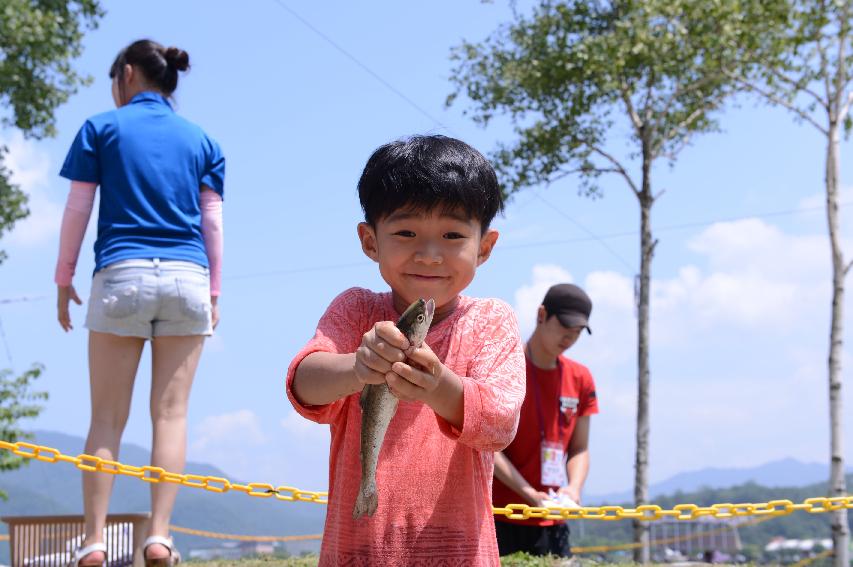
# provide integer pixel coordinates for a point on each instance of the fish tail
(366, 502)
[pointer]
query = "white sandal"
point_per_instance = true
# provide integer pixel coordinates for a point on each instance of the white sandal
(173, 559)
(82, 552)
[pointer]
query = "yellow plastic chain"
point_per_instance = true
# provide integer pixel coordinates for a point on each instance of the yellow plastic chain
(217, 484)
(235, 537)
(651, 512)
(812, 559)
(646, 512)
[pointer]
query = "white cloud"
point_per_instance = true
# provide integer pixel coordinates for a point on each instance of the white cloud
(31, 169)
(761, 277)
(529, 297)
(738, 345)
(612, 321)
(758, 278)
(248, 450)
(753, 245)
(217, 432)
(308, 431)
(817, 201)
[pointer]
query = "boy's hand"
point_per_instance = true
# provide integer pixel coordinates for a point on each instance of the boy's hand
(418, 378)
(381, 347)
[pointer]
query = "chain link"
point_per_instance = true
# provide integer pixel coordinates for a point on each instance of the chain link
(90, 463)
(812, 559)
(645, 512)
(236, 537)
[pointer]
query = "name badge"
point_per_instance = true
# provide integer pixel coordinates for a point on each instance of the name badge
(553, 464)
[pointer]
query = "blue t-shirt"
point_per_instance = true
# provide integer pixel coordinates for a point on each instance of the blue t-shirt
(150, 164)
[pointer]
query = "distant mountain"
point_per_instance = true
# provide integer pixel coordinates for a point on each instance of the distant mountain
(43, 489)
(784, 472)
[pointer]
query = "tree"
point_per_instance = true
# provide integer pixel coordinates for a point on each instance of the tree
(574, 73)
(38, 40)
(808, 73)
(13, 202)
(17, 402)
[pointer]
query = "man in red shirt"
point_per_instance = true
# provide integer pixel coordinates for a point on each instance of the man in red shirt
(550, 451)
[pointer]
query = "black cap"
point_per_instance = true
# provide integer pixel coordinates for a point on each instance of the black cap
(570, 304)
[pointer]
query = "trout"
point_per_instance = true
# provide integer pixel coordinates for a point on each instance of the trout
(378, 406)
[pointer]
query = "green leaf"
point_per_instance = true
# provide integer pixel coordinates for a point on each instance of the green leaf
(38, 40)
(575, 77)
(17, 402)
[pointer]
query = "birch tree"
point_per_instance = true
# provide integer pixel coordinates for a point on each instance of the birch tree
(578, 79)
(809, 75)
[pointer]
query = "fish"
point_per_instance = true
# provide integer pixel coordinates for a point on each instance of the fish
(378, 406)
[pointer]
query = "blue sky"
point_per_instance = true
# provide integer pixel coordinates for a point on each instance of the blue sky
(740, 297)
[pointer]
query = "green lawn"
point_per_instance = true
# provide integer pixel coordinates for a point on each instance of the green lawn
(516, 560)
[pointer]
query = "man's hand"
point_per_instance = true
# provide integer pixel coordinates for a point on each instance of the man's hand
(533, 497)
(572, 492)
(381, 347)
(64, 295)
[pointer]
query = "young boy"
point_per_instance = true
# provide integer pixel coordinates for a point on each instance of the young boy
(428, 202)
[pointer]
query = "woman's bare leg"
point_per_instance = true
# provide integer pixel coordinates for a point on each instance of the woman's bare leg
(174, 362)
(113, 361)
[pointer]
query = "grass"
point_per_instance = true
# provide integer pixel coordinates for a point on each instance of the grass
(515, 560)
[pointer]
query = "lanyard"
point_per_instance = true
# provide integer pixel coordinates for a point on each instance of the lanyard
(536, 393)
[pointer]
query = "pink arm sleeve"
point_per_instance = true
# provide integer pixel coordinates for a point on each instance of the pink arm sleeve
(78, 209)
(211, 229)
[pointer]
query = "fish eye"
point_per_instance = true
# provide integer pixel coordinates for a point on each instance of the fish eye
(420, 317)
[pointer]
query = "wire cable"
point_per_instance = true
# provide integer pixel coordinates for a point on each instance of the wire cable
(358, 62)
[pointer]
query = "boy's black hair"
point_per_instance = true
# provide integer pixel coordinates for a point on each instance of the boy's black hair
(427, 173)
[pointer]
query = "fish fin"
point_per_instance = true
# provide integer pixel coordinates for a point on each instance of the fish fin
(362, 399)
(366, 503)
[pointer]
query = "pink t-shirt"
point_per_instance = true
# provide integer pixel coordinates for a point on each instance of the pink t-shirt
(434, 481)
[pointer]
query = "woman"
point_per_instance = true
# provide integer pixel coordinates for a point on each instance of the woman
(158, 263)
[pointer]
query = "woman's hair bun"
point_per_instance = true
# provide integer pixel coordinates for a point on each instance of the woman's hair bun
(177, 58)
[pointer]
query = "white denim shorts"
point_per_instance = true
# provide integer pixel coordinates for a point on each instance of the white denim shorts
(151, 298)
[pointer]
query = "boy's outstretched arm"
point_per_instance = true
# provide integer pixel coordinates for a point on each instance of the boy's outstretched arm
(323, 377)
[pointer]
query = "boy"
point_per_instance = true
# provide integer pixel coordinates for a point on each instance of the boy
(428, 202)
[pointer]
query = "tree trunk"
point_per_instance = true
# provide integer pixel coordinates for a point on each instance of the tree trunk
(641, 464)
(837, 482)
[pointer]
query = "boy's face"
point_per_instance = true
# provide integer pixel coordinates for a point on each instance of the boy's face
(427, 254)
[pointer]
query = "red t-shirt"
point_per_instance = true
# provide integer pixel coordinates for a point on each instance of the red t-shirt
(566, 393)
